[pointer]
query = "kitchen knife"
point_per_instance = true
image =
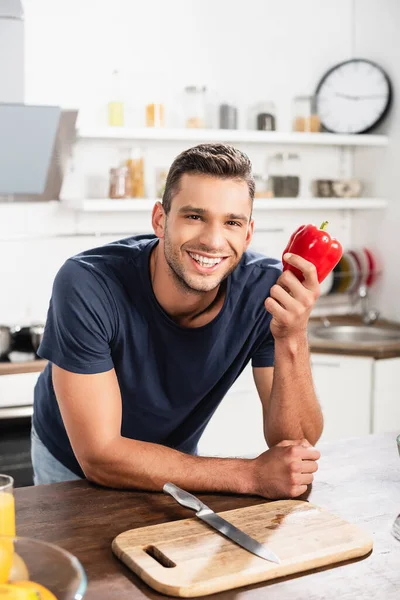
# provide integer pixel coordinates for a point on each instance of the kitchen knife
(207, 515)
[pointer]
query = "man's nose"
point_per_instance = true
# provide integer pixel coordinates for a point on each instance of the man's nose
(213, 236)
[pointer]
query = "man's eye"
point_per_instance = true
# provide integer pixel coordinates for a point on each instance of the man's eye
(193, 217)
(234, 223)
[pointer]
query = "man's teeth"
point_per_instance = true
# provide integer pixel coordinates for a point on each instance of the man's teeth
(204, 261)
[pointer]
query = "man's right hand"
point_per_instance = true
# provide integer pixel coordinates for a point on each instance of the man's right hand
(285, 470)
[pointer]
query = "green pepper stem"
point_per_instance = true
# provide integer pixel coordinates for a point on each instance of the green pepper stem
(324, 224)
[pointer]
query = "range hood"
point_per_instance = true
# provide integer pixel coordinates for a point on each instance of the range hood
(35, 141)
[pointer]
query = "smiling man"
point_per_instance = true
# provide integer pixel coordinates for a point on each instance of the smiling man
(145, 336)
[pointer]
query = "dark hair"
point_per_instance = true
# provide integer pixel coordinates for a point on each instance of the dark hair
(217, 160)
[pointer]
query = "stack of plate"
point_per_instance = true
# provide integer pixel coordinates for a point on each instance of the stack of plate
(356, 267)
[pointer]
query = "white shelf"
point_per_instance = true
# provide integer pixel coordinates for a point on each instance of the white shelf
(230, 135)
(146, 204)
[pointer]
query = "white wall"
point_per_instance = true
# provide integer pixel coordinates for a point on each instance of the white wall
(244, 52)
(377, 36)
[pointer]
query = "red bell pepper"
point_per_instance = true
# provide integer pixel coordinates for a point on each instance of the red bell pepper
(316, 246)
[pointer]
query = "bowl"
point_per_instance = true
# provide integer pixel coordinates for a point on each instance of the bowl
(48, 565)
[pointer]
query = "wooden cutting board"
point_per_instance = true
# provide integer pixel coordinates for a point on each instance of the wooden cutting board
(188, 558)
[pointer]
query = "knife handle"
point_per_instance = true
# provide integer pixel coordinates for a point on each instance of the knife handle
(183, 498)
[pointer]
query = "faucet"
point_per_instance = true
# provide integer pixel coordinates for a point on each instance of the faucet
(368, 315)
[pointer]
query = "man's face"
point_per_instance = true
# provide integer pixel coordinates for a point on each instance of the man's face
(207, 230)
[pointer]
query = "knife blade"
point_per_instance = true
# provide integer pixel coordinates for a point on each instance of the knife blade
(208, 516)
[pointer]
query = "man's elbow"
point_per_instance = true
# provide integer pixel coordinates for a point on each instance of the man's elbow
(98, 467)
(95, 470)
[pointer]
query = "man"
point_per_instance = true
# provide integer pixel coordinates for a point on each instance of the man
(146, 335)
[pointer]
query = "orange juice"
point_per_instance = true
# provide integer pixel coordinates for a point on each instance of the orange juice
(7, 514)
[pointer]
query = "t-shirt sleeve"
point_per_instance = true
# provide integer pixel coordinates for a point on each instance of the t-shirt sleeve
(81, 321)
(265, 353)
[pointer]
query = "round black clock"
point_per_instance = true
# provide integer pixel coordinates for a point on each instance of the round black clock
(353, 97)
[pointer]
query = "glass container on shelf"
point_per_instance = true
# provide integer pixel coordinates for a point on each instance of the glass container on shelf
(227, 116)
(135, 165)
(116, 105)
(195, 106)
(263, 116)
(154, 115)
(161, 179)
(292, 175)
(284, 175)
(305, 117)
(276, 176)
(120, 183)
(7, 506)
(262, 189)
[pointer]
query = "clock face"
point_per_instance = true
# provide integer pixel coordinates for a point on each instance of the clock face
(353, 97)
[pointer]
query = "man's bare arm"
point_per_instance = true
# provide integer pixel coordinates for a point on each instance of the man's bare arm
(92, 410)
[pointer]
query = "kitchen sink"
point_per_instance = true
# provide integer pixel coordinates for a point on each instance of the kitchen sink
(355, 334)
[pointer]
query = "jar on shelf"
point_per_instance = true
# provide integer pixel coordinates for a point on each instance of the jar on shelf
(262, 189)
(284, 175)
(227, 116)
(263, 117)
(161, 179)
(116, 104)
(195, 106)
(120, 183)
(135, 165)
(154, 115)
(276, 183)
(305, 117)
(292, 175)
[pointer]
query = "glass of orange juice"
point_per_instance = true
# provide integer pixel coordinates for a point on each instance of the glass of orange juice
(7, 506)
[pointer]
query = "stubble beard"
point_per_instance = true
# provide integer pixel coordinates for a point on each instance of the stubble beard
(185, 283)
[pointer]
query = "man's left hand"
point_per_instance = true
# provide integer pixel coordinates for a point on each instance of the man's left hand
(291, 301)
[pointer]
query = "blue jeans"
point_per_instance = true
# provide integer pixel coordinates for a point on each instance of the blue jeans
(46, 468)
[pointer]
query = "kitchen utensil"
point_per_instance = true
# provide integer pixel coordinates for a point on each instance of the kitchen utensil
(353, 267)
(357, 261)
(47, 564)
(326, 284)
(373, 270)
(5, 340)
(207, 515)
(364, 265)
(184, 558)
(27, 339)
(345, 275)
(36, 332)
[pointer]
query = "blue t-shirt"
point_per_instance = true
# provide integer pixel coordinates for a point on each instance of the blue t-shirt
(103, 314)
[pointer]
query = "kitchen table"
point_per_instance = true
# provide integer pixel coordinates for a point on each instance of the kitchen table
(358, 479)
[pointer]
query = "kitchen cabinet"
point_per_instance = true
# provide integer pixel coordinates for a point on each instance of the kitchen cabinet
(343, 386)
(236, 428)
(17, 390)
(386, 401)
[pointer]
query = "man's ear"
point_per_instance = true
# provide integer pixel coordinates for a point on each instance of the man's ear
(249, 235)
(158, 219)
